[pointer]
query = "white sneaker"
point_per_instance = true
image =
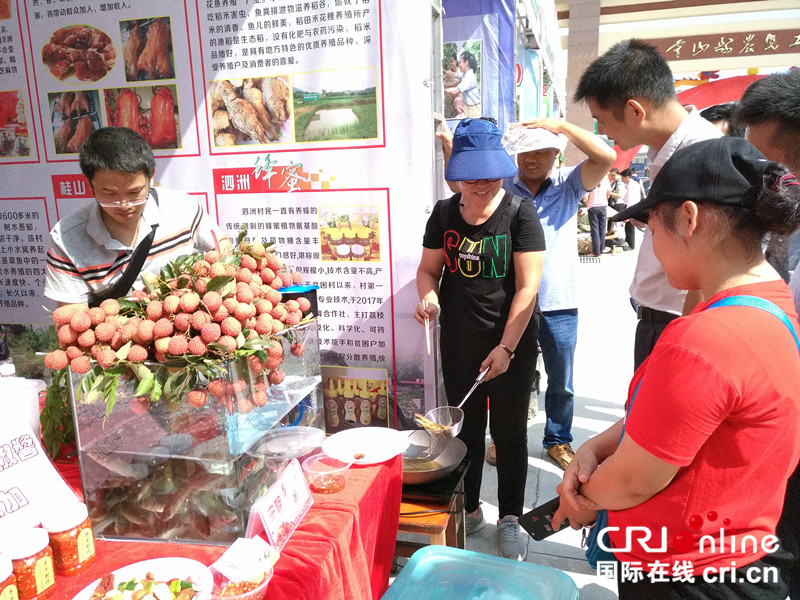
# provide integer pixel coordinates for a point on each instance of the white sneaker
(474, 522)
(513, 543)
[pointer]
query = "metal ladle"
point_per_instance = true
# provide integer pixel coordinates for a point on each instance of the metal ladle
(446, 421)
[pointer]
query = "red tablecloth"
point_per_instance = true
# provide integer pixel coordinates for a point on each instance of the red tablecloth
(342, 550)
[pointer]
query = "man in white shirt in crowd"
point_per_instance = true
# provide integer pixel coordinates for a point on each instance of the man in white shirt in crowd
(630, 92)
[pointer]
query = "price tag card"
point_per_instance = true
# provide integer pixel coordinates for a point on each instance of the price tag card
(246, 559)
(280, 509)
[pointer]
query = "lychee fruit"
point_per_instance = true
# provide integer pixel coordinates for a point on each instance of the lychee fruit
(67, 335)
(255, 364)
(304, 303)
(80, 364)
(189, 302)
(197, 346)
(163, 328)
(297, 278)
(97, 315)
(104, 332)
(56, 360)
(297, 348)
(171, 304)
(273, 296)
(63, 314)
(106, 358)
(259, 399)
(230, 326)
(202, 268)
(244, 275)
(220, 315)
(244, 406)
(242, 312)
(248, 262)
(292, 305)
(197, 398)
(213, 301)
(212, 256)
(177, 345)
(293, 318)
(73, 352)
(144, 333)
(110, 306)
(273, 362)
(276, 377)
(217, 270)
(286, 278)
(263, 306)
(155, 310)
(201, 285)
(199, 319)
(217, 387)
(183, 321)
(137, 353)
(228, 342)
(279, 312)
(162, 345)
(210, 332)
(244, 294)
(263, 324)
(267, 275)
(80, 321)
(87, 339)
(274, 262)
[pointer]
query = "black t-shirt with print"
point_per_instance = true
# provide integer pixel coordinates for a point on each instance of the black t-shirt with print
(477, 285)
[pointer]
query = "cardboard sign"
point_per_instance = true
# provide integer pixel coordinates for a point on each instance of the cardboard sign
(30, 486)
(279, 511)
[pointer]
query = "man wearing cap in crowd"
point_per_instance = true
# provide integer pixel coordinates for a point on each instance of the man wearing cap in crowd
(630, 92)
(556, 194)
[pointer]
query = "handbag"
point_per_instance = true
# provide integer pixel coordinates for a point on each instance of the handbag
(594, 552)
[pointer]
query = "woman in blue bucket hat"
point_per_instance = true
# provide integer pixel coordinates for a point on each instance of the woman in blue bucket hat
(482, 257)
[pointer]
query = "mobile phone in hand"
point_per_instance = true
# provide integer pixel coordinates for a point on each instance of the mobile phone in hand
(538, 522)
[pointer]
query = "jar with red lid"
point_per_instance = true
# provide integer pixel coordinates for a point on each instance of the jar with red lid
(8, 583)
(32, 561)
(71, 538)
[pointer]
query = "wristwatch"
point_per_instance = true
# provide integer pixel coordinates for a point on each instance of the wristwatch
(508, 350)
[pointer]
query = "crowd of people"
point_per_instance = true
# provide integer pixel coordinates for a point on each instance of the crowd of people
(716, 352)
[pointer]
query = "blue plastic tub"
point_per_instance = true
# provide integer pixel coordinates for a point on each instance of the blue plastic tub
(443, 573)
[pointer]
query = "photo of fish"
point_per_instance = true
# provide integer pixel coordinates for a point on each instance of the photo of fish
(254, 110)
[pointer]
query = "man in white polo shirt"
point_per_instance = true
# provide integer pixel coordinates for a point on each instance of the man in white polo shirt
(91, 249)
(631, 93)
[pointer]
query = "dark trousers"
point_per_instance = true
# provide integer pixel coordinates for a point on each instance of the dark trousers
(647, 333)
(462, 353)
(764, 569)
(630, 235)
(598, 224)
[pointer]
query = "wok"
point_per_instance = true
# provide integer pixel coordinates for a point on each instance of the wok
(420, 465)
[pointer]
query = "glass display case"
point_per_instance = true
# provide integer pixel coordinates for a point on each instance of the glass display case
(189, 469)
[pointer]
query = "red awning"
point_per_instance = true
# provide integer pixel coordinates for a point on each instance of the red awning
(717, 91)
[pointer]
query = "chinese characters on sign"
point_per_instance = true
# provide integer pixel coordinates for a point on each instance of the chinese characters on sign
(735, 44)
(19, 449)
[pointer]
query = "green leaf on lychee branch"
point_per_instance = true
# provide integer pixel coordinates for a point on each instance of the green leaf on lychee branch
(217, 283)
(145, 385)
(122, 353)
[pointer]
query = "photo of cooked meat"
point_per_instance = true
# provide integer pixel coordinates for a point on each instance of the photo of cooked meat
(67, 111)
(84, 127)
(151, 111)
(262, 118)
(14, 140)
(5, 9)
(162, 119)
(147, 49)
(80, 51)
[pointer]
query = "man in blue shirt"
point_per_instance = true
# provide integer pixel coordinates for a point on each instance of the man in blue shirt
(556, 194)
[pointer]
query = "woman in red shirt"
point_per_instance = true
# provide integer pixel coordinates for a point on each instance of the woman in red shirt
(694, 477)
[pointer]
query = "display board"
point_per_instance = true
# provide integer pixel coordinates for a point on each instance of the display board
(309, 122)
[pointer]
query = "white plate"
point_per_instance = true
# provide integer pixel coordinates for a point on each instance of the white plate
(377, 444)
(163, 569)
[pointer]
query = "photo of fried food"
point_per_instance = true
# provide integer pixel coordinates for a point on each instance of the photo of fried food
(254, 110)
(80, 51)
(147, 49)
(73, 116)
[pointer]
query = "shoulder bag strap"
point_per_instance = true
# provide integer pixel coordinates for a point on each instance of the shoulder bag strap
(761, 303)
(124, 284)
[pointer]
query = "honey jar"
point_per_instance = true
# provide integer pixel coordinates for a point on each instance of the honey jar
(32, 561)
(8, 582)
(71, 538)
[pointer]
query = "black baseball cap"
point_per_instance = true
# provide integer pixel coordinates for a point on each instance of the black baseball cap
(725, 170)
